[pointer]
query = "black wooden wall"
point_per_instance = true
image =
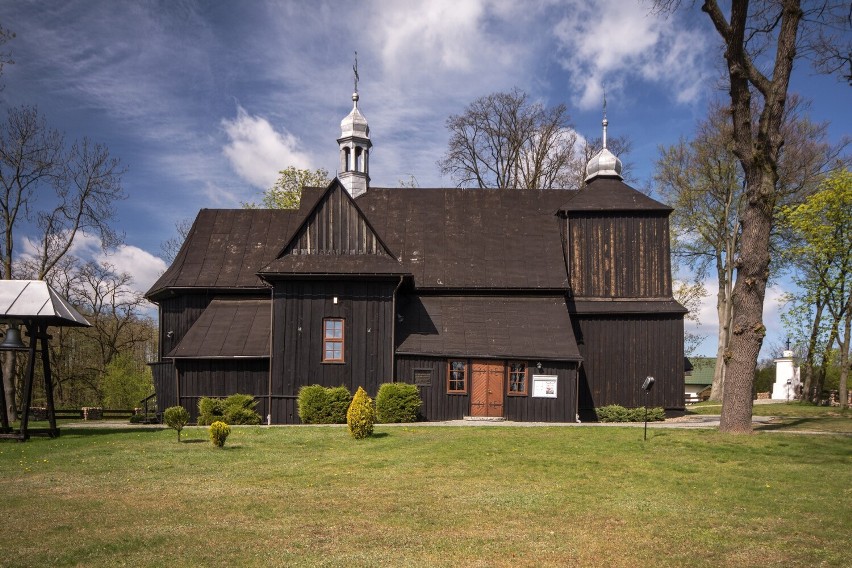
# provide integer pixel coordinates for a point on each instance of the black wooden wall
(221, 378)
(298, 311)
(619, 351)
(619, 255)
(438, 405)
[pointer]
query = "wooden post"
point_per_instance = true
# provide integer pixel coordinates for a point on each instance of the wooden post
(5, 429)
(48, 380)
(28, 381)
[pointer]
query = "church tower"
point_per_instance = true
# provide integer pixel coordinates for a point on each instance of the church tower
(354, 144)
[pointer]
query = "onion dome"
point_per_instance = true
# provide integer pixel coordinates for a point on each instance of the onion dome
(354, 124)
(604, 163)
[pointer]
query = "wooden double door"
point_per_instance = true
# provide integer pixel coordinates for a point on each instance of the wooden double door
(487, 380)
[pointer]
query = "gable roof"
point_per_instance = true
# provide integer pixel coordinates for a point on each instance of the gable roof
(333, 237)
(472, 238)
(606, 194)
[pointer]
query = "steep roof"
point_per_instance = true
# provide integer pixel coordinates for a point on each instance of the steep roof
(472, 238)
(607, 194)
(36, 300)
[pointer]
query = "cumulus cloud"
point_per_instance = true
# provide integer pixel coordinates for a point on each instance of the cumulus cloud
(257, 152)
(610, 42)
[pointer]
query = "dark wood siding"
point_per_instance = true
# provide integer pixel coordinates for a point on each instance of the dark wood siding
(164, 384)
(221, 378)
(177, 315)
(336, 227)
(619, 255)
(560, 409)
(298, 311)
(620, 351)
(438, 405)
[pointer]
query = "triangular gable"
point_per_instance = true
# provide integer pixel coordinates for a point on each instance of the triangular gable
(335, 225)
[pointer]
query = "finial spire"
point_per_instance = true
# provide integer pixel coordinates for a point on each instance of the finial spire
(605, 121)
(355, 69)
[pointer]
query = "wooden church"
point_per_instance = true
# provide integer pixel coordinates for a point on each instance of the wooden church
(516, 304)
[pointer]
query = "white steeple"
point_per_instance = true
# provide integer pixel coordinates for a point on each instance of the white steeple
(604, 163)
(354, 143)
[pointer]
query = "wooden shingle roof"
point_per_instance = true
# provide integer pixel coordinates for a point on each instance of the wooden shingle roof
(607, 194)
(487, 326)
(472, 238)
(228, 327)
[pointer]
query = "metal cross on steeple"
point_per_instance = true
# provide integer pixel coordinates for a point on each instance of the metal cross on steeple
(355, 69)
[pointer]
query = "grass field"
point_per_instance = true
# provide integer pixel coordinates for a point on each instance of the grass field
(426, 496)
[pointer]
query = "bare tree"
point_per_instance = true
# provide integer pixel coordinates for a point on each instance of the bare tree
(171, 246)
(504, 140)
(760, 41)
(65, 190)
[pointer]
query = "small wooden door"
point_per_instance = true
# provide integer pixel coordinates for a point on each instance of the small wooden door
(487, 388)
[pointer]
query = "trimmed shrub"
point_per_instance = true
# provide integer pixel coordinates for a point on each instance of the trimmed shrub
(361, 415)
(240, 409)
(219, 433)
(236, 409)
(320, 405)
(617, 413)
(210, 410)
(176, 417)
(397, 402)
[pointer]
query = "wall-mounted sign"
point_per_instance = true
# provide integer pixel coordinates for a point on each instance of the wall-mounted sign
(544, 386)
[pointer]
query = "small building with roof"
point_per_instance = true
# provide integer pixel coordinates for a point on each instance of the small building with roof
(528, 305)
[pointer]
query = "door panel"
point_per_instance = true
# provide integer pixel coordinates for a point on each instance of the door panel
(487, 386)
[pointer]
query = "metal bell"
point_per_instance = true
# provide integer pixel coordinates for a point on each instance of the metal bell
(12, 341)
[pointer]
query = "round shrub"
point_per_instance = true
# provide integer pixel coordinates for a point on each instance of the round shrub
(320, 405)
(176, 417)
(219, 432)
(397, 402)
(361, 415)
(242, 416)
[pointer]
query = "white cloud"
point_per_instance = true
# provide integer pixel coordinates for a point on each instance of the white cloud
(143, 266)
(612, 42)
(257, 151)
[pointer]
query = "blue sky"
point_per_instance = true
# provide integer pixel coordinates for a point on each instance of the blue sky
(205, 101)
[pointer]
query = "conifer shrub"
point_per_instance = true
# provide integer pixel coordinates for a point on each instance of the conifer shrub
(235, 409)
(219, 432)
(617, 413)
(320, 405)
(361, 415)
(210, 410)
(240, 409)
(397, 402)
(176, 417)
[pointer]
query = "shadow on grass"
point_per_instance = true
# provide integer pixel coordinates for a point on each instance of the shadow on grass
(786, 424)
(107, 431)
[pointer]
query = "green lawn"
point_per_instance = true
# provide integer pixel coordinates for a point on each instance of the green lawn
(426, 496)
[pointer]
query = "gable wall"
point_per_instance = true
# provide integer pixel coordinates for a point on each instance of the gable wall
(177, 314)
(336, 228)
(619, 255)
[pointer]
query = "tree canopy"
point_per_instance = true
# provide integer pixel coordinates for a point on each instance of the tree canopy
(286, 193)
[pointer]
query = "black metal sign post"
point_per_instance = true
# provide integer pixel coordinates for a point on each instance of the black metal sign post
(647, 386)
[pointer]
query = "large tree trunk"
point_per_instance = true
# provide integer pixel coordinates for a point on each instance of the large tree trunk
(844, 355)
(724, 311)
(810, 358)
(747, 329)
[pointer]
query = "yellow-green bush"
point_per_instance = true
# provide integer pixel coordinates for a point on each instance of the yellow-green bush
(176, 417)
(219, 433)
(361, 415)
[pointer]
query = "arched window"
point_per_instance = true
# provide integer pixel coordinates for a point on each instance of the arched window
(358, 160)
(347, 160)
